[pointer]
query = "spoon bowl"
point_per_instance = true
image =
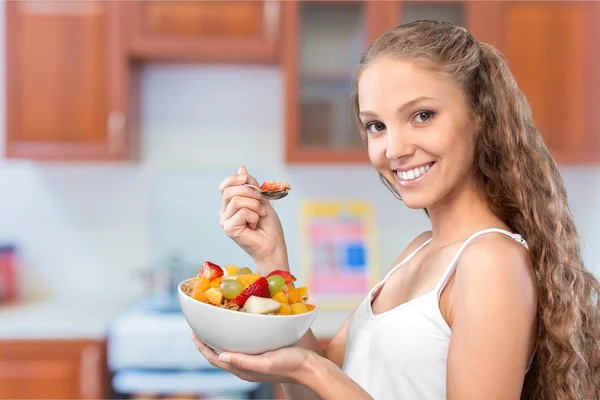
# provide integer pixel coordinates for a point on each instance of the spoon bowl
(270, 194)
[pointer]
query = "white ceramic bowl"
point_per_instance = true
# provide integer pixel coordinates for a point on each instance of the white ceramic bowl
(240, 332)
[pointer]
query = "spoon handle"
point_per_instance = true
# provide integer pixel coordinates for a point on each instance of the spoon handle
(252, 186)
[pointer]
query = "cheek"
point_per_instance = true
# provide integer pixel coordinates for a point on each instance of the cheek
(455, 143)
(464, 149)
(376, 149)
(459, 155)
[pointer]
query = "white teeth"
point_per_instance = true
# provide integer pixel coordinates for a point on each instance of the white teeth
(413, 173)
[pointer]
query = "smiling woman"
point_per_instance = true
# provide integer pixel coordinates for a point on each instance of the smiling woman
(494, 302)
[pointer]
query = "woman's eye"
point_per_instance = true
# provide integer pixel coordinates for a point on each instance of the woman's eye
(423, 116)
(375, 127)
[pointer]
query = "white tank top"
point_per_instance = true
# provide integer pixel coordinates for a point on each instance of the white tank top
(402, 353)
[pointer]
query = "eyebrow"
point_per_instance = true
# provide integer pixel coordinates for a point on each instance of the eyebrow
(400, 109)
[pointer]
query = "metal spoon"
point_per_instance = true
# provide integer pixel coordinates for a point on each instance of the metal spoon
(270, 194)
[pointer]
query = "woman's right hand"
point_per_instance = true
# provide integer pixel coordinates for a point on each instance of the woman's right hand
(252, 223)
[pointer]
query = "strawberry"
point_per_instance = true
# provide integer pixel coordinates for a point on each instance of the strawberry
(260, 288)
(287, 277)
(211, 270)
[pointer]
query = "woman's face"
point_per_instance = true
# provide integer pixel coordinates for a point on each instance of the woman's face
(419, 133)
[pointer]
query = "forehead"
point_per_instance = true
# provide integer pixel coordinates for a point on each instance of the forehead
(391, 82)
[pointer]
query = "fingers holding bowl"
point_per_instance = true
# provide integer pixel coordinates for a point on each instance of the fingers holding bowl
(209, 354)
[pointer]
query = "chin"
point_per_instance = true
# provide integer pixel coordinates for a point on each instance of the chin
(415, 202)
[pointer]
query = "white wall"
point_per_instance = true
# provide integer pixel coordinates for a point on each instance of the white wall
(87, 228)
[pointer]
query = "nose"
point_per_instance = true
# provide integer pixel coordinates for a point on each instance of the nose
(398, 144)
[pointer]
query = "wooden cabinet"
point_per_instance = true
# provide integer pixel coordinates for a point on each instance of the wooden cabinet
(66, 80)
(550, 46)
(210, 31)
(52, 369)
(71, 95)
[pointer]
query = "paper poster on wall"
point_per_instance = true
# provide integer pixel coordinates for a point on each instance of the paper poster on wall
(340, 259)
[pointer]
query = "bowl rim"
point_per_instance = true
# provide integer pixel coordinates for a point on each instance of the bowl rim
(181, 292)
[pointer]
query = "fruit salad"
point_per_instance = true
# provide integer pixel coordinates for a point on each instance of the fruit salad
(241, 289)
(275, 186)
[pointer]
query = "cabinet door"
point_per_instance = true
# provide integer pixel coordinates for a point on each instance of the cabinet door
(65, 81)
(553, 51)
(52, 369)
(323, 43)
(214, 31)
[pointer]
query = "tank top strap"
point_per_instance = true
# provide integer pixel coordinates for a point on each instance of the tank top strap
(444, 279)
(405, 260)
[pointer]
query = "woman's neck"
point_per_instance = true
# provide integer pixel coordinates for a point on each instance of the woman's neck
(459, 215)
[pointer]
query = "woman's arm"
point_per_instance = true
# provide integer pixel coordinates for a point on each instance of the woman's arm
(493, 320)
(334, 353)
(328, 381)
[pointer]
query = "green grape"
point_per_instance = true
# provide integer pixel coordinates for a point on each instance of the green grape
(244, 271)
(230, 288)
(276, 284)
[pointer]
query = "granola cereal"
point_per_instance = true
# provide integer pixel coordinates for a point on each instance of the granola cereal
(188, 287)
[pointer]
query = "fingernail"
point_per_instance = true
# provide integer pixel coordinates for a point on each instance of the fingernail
(242, 178)
(224, 358)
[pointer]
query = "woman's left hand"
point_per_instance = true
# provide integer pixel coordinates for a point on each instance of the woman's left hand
(280, 366)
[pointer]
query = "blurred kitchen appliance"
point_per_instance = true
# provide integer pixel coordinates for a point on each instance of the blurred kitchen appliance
(163, 277)
(150, 349)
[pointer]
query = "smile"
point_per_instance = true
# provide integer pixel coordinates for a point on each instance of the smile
(414, 173)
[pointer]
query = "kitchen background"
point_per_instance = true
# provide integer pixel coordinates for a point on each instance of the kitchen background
(90, 222)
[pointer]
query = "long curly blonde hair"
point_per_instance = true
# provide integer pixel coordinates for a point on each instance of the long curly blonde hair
(518, 175)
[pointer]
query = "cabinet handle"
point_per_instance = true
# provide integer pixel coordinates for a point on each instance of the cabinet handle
(89, 372)
(271, 19)
(116, 132)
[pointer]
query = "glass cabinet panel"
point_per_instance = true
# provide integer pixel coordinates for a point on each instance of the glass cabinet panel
(331, 42)
(448, 12)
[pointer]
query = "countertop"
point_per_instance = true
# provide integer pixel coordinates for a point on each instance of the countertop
(65, 319)
(58, 319)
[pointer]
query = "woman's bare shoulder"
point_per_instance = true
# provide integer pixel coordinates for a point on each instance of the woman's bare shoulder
(498, 263)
